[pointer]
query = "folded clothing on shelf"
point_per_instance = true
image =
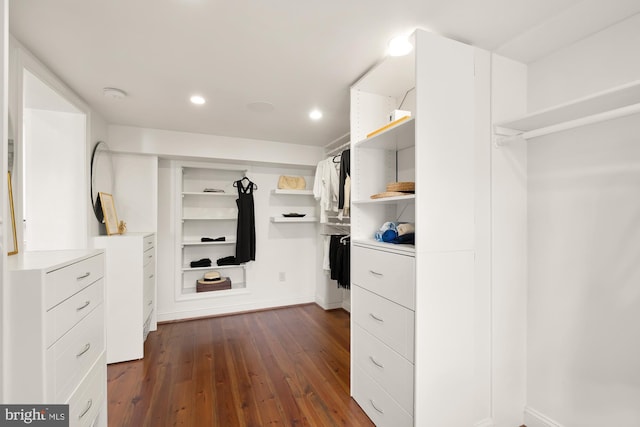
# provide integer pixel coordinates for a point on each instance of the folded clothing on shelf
(228, 260)
(213, 190)
(217, 239)
(204, 262)
(394, 232)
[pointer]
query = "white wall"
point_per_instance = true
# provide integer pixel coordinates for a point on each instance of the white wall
(584, 244)
(135, 191)
(172, 144)
(508, 250)
(54, 144)
(4, 98)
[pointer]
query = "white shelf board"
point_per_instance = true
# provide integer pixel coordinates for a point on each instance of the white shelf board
(392, 247)
(199, 243)
(202, 193)
(386, 200)
(602, 102)
(191, 294)
(293, 192)
(285, 219)
(213, 267)
(226, 218)
(396, 138)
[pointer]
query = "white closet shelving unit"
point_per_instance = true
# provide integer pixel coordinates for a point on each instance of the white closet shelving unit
(206, 214)
(610, 104)
(412, 342)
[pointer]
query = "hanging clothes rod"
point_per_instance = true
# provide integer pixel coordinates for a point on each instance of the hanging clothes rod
(339, 149)
(572, 124)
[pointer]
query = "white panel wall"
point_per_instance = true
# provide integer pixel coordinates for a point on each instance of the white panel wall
(583, 302)
(508, 249)
(4, 71)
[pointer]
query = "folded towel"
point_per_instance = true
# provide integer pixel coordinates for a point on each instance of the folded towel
(229, 260)
(406, 228)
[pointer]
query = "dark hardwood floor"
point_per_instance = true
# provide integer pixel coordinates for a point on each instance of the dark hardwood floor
(286, 367)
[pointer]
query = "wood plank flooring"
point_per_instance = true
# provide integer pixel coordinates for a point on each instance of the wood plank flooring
(282, 367)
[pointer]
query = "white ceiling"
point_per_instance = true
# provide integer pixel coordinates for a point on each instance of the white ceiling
(294, 54)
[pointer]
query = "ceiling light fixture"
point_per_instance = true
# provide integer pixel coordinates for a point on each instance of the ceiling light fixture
(399, 46)
(112, 92)
(315, 114)
(197, 99)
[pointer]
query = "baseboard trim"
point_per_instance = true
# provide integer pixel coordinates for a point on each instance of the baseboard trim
(533, 418)
(487, 422)
(329, 306)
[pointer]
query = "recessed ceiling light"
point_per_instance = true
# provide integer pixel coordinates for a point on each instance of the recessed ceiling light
(315, 114)
(197, 99)
(399, 46)
(112, 92)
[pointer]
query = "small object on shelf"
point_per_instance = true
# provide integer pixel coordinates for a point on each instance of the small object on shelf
(213, 190)
(217, 239)
(207, 286)
(204, 262)
(388, 194)
(294, 215)
(388, 126)
(291, 182)
(403, 187)
(398, 114)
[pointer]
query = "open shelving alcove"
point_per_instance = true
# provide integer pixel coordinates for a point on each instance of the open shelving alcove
(212, 214)
(298, 197)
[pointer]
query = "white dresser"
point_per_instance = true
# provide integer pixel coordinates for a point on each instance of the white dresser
(130, 293)
(382, 312)
(56, 332)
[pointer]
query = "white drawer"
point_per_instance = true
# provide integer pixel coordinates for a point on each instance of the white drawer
(379, 406)
(65, 315)
(149, 242)
(387, 274)
(148, 289)
(391, 371)
(391, 323)
(62, 283)
(87, 400)
(71, 357)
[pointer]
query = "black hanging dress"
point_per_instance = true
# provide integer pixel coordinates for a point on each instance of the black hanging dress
(246, 231)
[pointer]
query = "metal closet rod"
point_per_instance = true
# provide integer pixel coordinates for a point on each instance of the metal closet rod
(572, 124)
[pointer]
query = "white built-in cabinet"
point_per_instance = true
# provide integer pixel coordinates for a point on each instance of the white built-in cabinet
(206, 214)
(56, 344)
(130, 291)
(412, 305)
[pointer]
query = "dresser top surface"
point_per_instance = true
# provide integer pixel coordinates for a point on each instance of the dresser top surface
(49, 260)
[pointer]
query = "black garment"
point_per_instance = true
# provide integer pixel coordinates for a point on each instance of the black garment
(228, 260)
(204, 262)
(217, 239)
(246, 231)
(345, 170)
(340, 260)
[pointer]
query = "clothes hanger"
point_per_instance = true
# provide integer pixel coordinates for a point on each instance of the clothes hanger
(336, 157)
(253, 184)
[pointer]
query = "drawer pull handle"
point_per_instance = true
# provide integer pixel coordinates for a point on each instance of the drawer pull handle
(375, 273)
(375, 407)
(89, 404)
(375, 362)
(84, 276)
(374, 317)
(151, 277)
(82, 307)
(150, 256)
(84, 350)
(150, 302)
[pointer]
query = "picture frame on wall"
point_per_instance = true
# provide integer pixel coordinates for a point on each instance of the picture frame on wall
(109, 212)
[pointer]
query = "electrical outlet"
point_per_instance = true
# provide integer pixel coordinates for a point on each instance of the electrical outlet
(282, 276)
